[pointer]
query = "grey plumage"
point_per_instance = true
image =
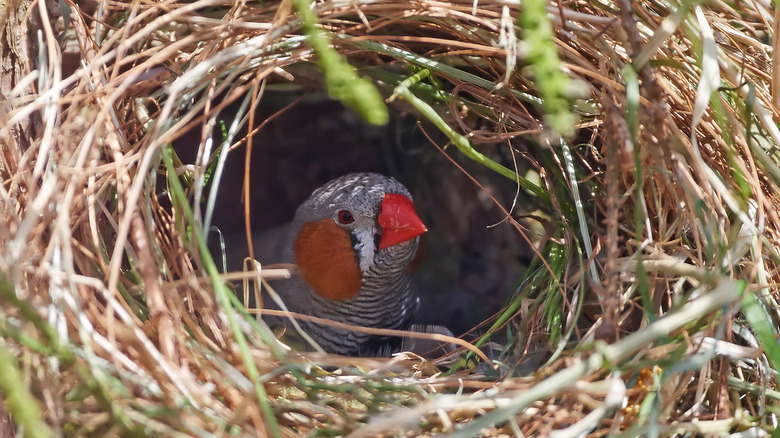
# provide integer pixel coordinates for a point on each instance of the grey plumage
(386, 298)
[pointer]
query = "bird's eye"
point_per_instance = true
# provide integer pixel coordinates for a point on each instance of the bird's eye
(345, 217)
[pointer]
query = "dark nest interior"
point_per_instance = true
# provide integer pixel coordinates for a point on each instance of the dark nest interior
(600, 182)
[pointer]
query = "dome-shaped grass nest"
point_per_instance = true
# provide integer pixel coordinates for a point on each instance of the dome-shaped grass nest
(601, 181)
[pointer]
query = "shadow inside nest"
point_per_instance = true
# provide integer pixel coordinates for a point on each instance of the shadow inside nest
(468, 268)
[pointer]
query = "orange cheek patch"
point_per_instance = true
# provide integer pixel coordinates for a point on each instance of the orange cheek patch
(326, 260)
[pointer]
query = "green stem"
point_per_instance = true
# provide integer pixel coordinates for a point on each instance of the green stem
(461, 142)
(21, 404)
(222, 293)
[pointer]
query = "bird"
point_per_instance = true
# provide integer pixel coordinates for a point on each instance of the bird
(352, 242)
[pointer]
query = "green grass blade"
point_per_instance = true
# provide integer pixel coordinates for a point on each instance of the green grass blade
(554, 86)
(19, 401)
(222, 293)
(581, 221)
(437, 67)
(341, 80)
(761, 323)
(458, 140)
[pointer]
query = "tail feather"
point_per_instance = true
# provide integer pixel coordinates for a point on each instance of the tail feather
(428, 348)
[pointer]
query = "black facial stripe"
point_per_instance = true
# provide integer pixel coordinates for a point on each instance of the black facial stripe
(379, 228)
(377, 238)
(354, 240)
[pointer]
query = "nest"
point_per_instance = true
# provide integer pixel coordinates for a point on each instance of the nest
(641, 135)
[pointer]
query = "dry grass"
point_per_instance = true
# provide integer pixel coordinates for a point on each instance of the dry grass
(655, 287)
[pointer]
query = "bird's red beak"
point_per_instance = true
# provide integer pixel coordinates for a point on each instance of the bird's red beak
(398, 220)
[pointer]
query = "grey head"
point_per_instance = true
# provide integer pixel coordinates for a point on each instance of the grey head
(360, 194)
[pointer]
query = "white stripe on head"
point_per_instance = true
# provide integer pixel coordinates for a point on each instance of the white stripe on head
(365, 247)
